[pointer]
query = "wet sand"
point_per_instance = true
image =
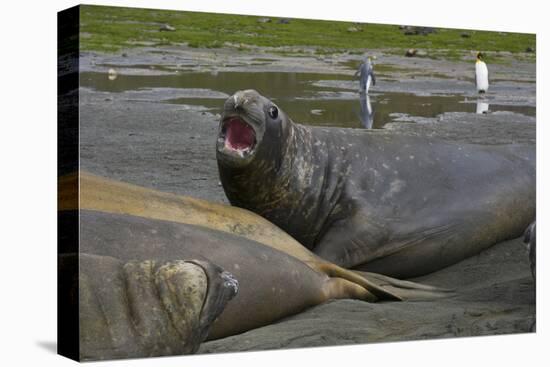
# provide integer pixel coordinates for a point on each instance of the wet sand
(163, 137)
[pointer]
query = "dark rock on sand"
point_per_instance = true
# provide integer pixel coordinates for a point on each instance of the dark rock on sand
(411, 52)
(166, 28)
(414, 31)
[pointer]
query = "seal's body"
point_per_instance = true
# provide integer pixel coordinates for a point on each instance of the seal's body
(133, 308)
(402, 206)
(271, 284)
(122, 223)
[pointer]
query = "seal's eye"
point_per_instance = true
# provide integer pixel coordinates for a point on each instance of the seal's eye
(273, 112)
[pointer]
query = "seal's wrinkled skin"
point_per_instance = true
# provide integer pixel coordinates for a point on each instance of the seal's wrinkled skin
(130, 309)
(402, 206)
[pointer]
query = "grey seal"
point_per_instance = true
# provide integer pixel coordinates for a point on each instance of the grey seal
(397, 205)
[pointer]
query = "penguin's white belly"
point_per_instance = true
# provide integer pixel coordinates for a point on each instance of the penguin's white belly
(482, 76)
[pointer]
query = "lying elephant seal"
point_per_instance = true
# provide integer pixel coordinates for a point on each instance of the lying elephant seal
(271, 284)
(83, 190)
(277, 277)
(397, 205)
(143, 308)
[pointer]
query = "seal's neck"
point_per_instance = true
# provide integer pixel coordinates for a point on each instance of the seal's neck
(296, 187)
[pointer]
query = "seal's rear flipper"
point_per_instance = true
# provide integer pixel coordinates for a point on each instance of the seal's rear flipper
(381, 286)
(406, 290)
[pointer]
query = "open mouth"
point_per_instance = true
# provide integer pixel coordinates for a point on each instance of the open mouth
(238, 136)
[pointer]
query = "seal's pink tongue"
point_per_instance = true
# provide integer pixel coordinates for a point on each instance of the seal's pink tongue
(238, 134)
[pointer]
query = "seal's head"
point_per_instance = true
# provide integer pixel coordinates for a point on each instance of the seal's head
(247, 119)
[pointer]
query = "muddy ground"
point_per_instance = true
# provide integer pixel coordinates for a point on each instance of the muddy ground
(139, 136)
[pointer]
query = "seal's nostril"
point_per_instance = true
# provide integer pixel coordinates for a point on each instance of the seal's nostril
(238, 99)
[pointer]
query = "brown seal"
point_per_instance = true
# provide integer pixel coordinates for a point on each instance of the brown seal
(277, 276)
(111, 196)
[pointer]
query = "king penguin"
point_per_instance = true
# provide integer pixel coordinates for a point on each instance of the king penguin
(482, 74)
(366, 75)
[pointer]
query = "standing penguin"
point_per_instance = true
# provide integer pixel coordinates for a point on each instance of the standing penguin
(366, 75)
(482, 74)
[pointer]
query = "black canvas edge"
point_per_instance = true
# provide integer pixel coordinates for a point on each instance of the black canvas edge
(68, 328)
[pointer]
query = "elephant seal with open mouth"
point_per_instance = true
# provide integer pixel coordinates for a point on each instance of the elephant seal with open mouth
(398, 205)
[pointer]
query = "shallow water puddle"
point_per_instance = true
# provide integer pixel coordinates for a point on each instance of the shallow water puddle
(295, 93)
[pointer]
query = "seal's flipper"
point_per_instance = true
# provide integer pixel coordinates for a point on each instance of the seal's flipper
(336, 272)
(383, 287)
(529, 237)
(529, 232)
(404, 289)
(339, 288)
